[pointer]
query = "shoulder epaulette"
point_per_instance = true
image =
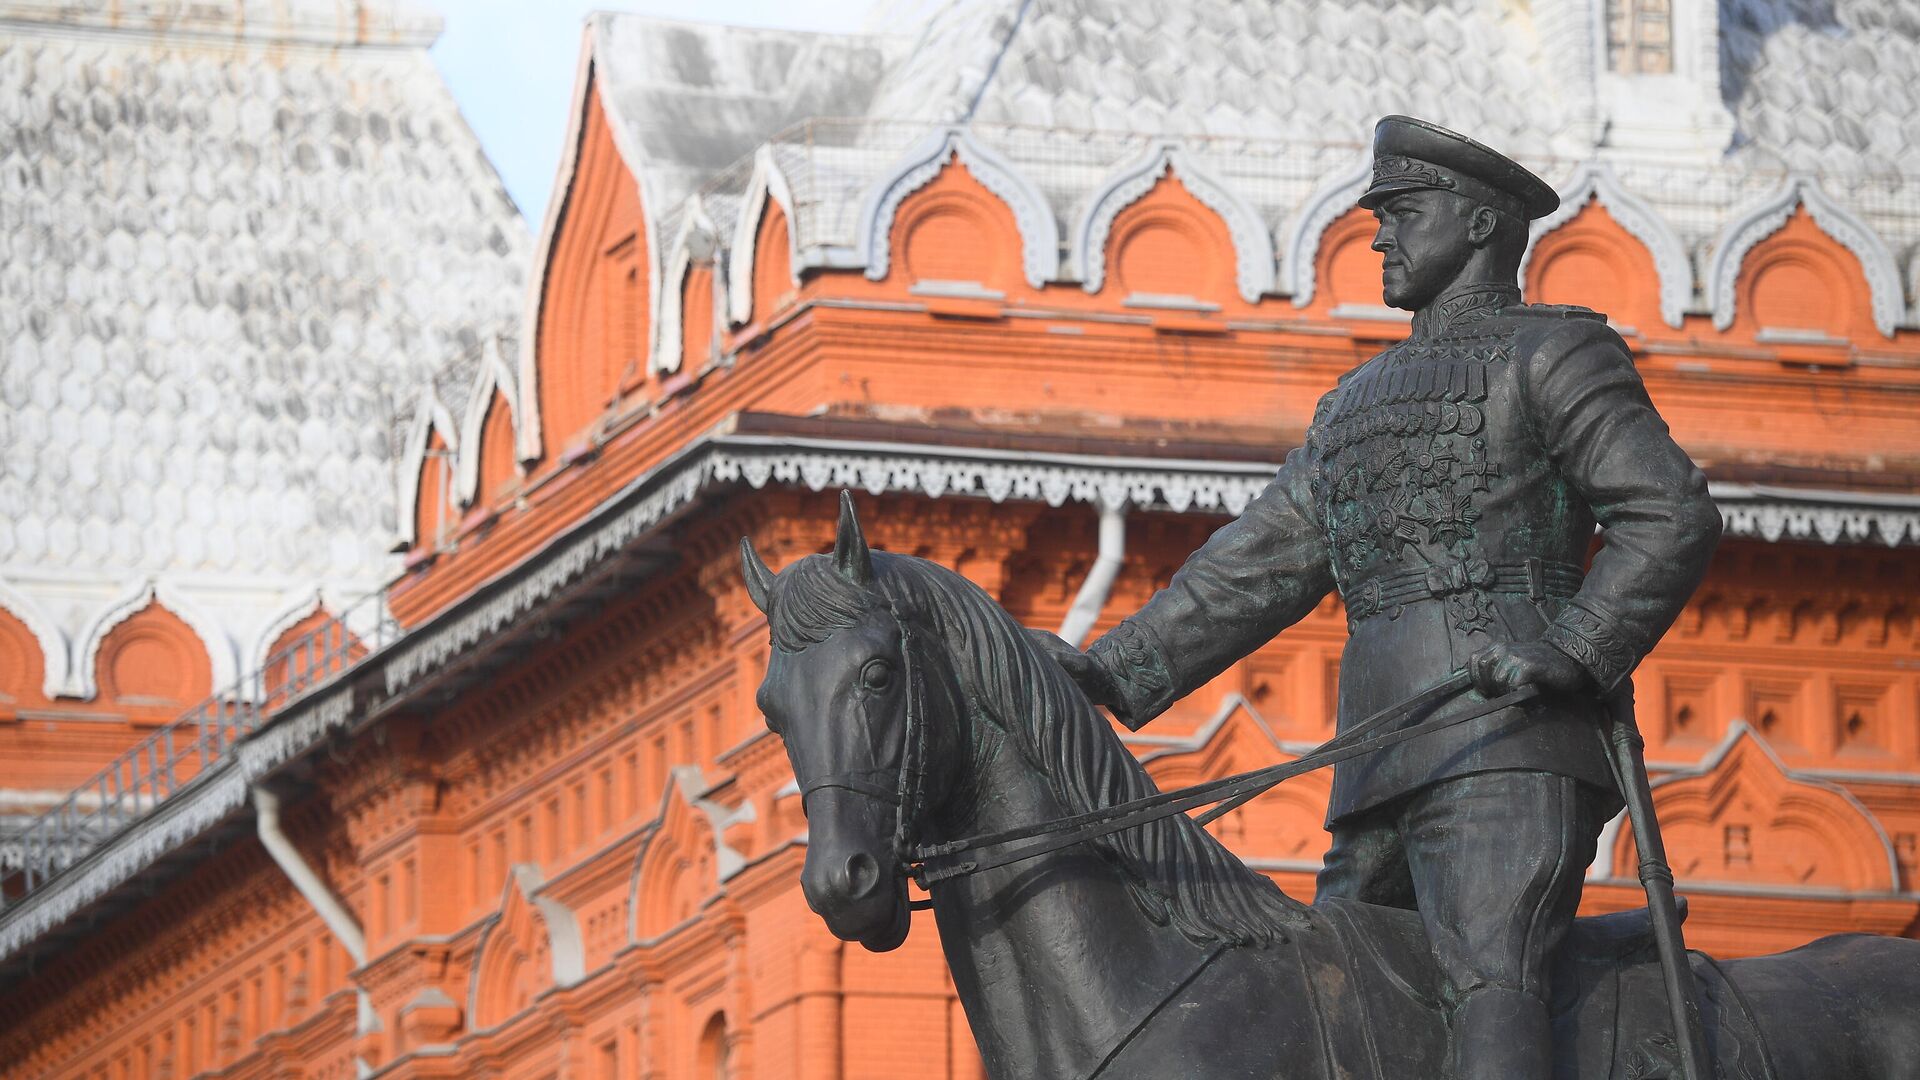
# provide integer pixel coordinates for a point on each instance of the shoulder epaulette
(1553, 311)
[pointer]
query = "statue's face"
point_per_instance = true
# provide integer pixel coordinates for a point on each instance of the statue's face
(1423, 244)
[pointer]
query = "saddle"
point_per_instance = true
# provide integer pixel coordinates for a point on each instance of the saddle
(1609, 1004)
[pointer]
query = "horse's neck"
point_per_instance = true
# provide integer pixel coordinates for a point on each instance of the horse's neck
(1052, 959)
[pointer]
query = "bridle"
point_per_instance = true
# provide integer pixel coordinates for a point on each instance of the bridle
(907, 792)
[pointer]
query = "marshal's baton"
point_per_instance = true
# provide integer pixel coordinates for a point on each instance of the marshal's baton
(1626, 754)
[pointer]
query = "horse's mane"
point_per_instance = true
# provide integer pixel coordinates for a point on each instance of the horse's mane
(1175, 871)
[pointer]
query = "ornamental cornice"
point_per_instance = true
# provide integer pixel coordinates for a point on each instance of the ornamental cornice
(1252, 245)
(1597, 181)
(1032, 216)
(1761, 219)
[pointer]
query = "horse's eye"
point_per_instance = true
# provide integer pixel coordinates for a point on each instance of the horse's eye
(877, 674)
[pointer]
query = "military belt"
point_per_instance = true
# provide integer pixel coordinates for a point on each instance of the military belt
(1536, 579)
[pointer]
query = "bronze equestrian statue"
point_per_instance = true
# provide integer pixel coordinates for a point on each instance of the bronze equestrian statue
(915, 710)
(1449, 489)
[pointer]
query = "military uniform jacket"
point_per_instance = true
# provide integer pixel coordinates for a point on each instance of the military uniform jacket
(1449, 488)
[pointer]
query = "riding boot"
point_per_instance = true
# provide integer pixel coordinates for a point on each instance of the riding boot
(1500, 1034)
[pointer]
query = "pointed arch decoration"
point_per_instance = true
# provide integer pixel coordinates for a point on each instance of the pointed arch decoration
(533, 943)
(766, 184)
(528, 443)
(1763, 218)
(684, 855)
(301, 607)
(222, 653)
(430, 415)
(1742, 800)
(695, 241)
(1032, 216)
(1252, 244)
(1596, 180)
(493, 376)
(1335, 196)
(56, 655)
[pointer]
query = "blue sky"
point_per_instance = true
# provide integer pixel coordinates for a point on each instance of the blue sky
(511, 65)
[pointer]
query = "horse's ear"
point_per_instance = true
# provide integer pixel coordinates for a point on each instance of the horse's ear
(759, 578)
(850, 554)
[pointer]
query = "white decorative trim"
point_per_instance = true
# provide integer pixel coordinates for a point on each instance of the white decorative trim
(221, 651)
(873, 223)
(56, 656)
(767, 182)
(1765, 217)
(528, 442)
(211, 797)
(1772, 514)
(1253, 247)
(1596, 180)
(696, 239)
(429, 415)
(493, 375)
(1335, 196)
(299, 606)
(291, 732)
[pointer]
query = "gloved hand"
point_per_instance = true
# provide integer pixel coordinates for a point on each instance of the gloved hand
(1500, 668)
(1092, 679)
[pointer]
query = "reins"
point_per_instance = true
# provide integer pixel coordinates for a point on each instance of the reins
(930, 864)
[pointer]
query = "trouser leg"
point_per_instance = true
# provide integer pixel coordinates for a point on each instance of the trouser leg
(1497, 861)
(1366, 861)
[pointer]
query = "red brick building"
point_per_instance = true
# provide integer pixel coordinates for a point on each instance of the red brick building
(1050, 287)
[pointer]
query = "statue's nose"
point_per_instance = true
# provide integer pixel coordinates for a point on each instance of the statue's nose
(841, 881)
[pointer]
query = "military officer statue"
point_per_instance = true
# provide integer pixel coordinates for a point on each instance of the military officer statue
(1449, 488)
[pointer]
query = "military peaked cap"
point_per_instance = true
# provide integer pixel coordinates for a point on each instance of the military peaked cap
(1413, 155)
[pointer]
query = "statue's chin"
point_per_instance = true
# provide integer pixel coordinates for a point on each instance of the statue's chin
(895, 933)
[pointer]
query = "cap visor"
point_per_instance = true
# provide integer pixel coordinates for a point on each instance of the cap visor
(1380, 193)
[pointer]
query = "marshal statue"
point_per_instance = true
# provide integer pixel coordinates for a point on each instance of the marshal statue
(1449, 489)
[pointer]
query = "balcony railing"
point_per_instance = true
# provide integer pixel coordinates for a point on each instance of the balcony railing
(171, 758)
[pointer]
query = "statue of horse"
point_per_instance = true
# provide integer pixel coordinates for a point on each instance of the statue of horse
(914, 709)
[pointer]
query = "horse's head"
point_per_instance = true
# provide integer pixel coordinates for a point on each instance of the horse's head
(847, 690)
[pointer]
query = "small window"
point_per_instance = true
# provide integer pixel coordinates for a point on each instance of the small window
(1640, 37)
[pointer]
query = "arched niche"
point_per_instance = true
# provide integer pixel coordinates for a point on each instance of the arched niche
(1826, 266)
(954, 229)
(714, 1049)
(687, 315)
(426, 474)
(304, 650)
(34, 657)
(1798, 281)
(1168, 226)
(1611, 247)
(766, 250)
(1346, 268)
(594, 295)
(1591, 261)
(23, 667)
(697, 319)
(1038, 234)
(1331, 201)
(152, 665)
(1743, 820)
(494, 451)
(430, 500)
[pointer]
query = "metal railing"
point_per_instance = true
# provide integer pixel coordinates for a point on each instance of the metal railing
(170, 759)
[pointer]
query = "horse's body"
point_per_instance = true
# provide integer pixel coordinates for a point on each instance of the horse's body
(1158, 954)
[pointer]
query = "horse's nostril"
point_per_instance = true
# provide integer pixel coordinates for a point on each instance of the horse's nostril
(861, 875)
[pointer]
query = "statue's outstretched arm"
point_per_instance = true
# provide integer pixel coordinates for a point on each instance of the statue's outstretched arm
(1259, 574)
